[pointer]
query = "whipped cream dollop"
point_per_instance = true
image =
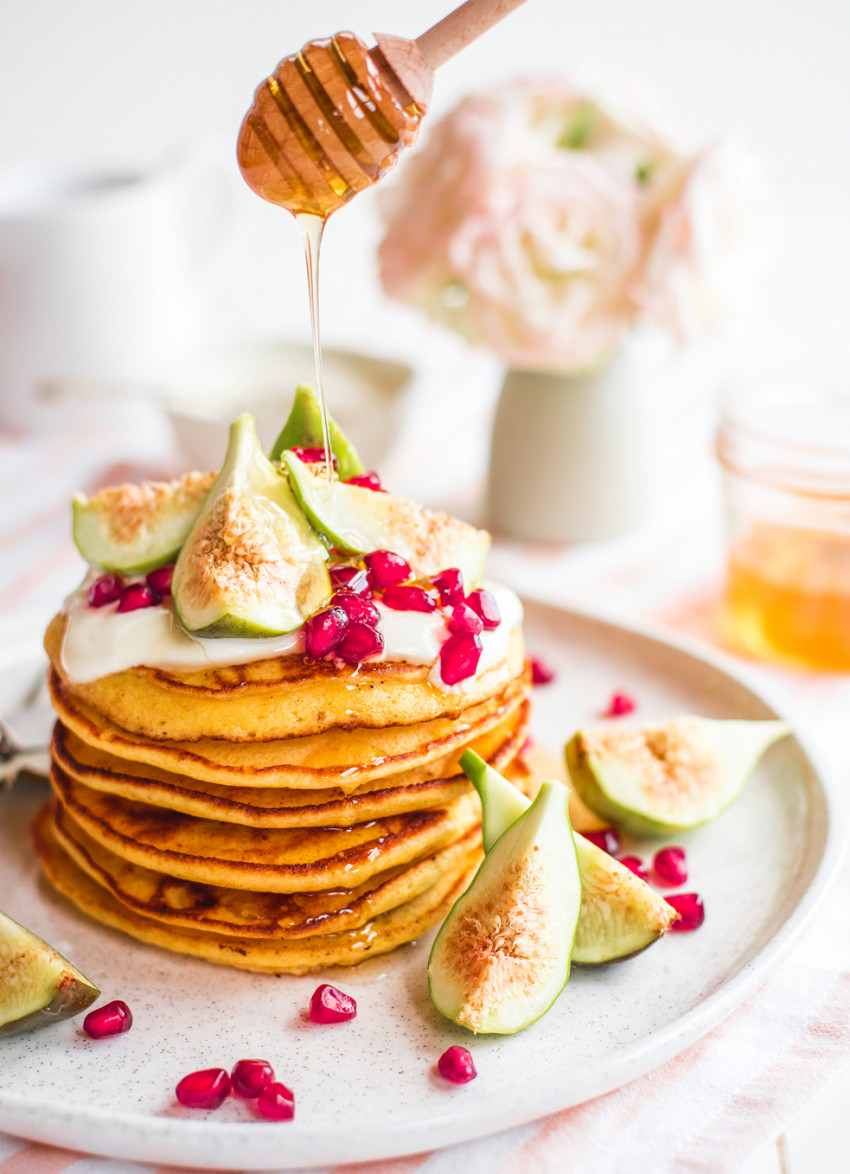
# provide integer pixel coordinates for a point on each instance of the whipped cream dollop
(100, 641)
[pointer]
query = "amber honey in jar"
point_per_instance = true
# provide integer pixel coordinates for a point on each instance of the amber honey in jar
(785, 453)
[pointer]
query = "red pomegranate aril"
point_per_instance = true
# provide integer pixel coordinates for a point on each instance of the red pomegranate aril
(331, 1005)
(368, 480)
(111, 1019)
(276, 1102)
(636, 865)
(358, 609)
(541, 673)
(323, 632)
(105, 590)
(670, 867)
(311, 456)
(408, 597)
(608, 839)
(482, 602)
(205, 1089)
(250, 1077)
(359, 643)
(691, 911)
(352, 579)
(449, 583)
(459, 657)
(456, 1064)
(160, 579)
(386, 568)
(138, 595)
(619, 705)
(464, 620)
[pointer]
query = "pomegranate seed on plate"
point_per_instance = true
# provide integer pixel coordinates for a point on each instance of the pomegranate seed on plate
(464, 620)
(408, 597)
(276, 1102)
(311, 456)
(456, 1064)
(608, 839)
(160, 579)
(138, 595)
(111, 1019)
(358, 609)
(344, 578)
(323, 632)
(386, 568)
(449, 583)
(105, 590)
(670, 867)
(331, 1005)
(358, 643)
(619, 705)
(250, 1077)
(205, 1089)
(541, 673)
(368, 480)
(691, 911)
(482, 602)
(635, 864)
(459, 657)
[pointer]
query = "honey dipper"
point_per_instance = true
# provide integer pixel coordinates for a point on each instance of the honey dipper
(333, 118)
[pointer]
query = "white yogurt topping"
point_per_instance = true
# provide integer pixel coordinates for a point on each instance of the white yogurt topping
(99, 641)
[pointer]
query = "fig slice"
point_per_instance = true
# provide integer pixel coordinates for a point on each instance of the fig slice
(620, 914)
(502, 956)
(304, 428)
(37, 985)
(664, 779)
(358, 521)
(137, 528)
(252, 566)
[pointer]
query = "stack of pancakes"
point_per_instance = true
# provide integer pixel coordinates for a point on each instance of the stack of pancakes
(278, 816)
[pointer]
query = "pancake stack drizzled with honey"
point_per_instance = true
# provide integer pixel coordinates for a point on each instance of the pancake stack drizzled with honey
(255, 758)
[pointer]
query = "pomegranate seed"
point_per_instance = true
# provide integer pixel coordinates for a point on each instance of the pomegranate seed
(350, 579)
(619, 705)
(206, 1089)
(138, 595)
(105, 590)
(358, 609)
(541, 673)
(635, 864)
(670, 867)
(160, 579)
(482, 602)
(358, 643)
(386, 569)
(250, 1077)
(408, 597)
(464, 620)
(449, 583)
(608, 839)
(369, 480)
(276, 1102)
(323, 632)
(456, 1064)
(331, 1005)
(311, 456)
(691, 912)
(111, 1019)
(459, 657)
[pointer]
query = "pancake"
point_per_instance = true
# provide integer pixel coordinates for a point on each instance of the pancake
(281, 697)
(378, 936)
(278, 860)
(347, 759)
(271, 807)
(258, 915)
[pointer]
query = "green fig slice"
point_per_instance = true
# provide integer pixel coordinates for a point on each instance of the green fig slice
(37, 985)
(502, 956)
(358, 520)
(136, 528)
(620, 914)
(252, 565)
(665, 779)
(304, 428)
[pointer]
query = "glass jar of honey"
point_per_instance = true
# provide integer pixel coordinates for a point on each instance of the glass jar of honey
(785, 453)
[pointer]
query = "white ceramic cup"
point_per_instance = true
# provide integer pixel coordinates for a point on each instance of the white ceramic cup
(102, 278)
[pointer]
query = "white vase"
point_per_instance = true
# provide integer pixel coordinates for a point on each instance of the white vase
(570, 458)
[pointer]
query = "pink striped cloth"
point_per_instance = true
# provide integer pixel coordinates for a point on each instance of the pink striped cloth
(713, 1107)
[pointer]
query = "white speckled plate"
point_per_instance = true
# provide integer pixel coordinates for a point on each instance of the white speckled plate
(368, 1089)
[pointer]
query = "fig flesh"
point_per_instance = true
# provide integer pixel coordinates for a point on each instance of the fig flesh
(304, 429)
(359, 521)
(503, 953)
(665, 779)
(620, 914)
(137, 528)
(37, 985)
(252, 565)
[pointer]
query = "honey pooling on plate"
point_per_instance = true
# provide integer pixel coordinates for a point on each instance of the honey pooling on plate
(328, 123)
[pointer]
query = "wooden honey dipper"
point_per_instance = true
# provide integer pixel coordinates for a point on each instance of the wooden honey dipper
(334, 117)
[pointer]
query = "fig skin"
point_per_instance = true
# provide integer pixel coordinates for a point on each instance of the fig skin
(303, 428)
